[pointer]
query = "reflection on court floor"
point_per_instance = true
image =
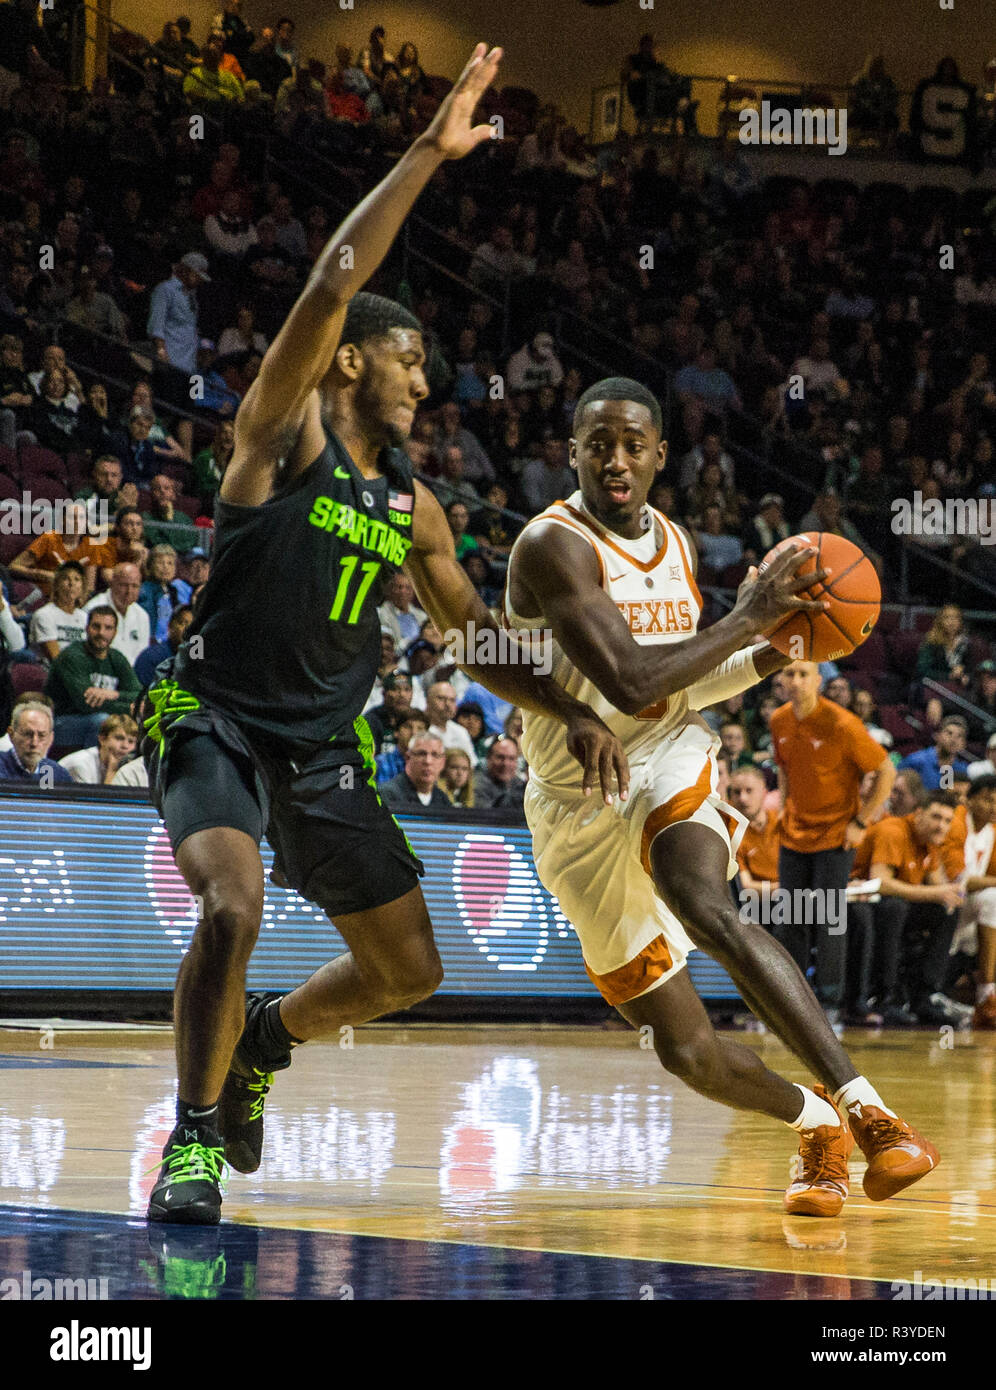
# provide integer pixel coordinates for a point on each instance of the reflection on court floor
(481, 1162)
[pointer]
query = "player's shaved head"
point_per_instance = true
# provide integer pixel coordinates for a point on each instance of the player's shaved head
(619, 388)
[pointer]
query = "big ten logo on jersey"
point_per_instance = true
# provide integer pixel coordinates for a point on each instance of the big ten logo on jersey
(399, 507)
(662, 616)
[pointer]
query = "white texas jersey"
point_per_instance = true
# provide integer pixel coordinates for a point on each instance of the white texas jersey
(980, 847)
(650, 581)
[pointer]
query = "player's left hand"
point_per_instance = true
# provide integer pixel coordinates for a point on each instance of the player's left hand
(600, 754)
(451, 131)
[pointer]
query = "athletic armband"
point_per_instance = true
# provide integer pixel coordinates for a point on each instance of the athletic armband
(736, 674)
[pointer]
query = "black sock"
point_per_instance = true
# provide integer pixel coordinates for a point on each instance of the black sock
(197, 1116)
(271, 1040)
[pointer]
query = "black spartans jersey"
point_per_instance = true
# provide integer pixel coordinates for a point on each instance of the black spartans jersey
(285, 638)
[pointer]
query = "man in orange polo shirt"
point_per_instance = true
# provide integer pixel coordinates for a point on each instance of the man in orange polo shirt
(38, 561)
(757, 856)
(915, 921)
(823, 752)
(969, 855)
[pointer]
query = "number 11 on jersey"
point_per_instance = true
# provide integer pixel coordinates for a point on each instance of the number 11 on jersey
(349, 563)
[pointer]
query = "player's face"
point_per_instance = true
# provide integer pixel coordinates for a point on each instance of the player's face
(933, 822)
(746, 794)
(617, 454)
(392, 384)
(983, 806)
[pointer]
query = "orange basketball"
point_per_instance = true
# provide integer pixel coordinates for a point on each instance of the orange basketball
(853, 592)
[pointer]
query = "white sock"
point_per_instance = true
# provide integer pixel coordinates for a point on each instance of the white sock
(815, 1111)
(860, 1091)
(982, 992)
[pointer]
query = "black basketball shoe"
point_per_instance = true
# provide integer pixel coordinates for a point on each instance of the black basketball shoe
(188, 1190)
(243, 1096)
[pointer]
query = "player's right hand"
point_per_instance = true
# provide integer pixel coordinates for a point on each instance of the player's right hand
(768, 596)
(451, 131)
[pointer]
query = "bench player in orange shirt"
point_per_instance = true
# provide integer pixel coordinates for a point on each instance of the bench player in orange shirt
(644, 880)
(757, 856)
(919, 898)
(969, 855)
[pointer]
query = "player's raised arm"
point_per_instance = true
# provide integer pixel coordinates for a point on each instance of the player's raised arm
(559, 573)
(447, 595)
(301, 354)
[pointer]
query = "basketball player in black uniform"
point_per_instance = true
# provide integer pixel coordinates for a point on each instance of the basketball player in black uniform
(258, 728)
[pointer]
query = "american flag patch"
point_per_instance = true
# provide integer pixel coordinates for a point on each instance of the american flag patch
(400, 501)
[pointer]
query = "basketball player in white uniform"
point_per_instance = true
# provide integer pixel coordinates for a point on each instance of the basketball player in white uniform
(972, 838)
(645, 879)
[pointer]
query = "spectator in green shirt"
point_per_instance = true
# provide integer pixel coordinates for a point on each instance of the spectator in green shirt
(210, 463)
(90, 681)
(163, 523)
(207, 82)
(459, 518)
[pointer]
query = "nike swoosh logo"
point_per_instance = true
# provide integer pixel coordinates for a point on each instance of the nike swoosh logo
(866, 630)
(614, 577)
(341, 473)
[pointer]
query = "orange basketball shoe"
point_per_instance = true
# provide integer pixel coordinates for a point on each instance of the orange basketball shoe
(819, 1169)
(985, 1014)
(896, 1154)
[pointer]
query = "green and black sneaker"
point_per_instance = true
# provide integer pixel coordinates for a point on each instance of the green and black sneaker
(188, 1190)
(243, 1096)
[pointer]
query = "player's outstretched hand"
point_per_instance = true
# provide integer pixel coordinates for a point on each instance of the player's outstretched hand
(600, 754)
(768, 595)
(451, 131)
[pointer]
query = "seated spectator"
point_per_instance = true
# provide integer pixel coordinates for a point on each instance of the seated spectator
(242, 336)
(267, 263)
(945, 756)
(31, 737)
(733, 738)
(918, 910)
(53, 358)
(208, 83)
(767, 528)
(497, 783)
(52, 420)
(89, 682)
(757, 857)
(708, 383)
(126, 543)
(416, 789)
(385, 719)
(477, 467)
(540, 150)
(139, 456)
(99, 766)
(211, 462)
(147, 660)
(470, 715)
(717, 548)
(92, 309)
(491, 529)
(162, 592)
(263, 64)
(867, 711)
(713, 490)
(56, 624)
(494, 709)
(38, 562)
(440, 708)
(389, 661)
(547, 479)
(399, 611)
(479, 574)
(709, 451)
(391, 761)
(11, 632)
(457, 778)
(452, 486)
(944, 652)
(238, 38)
(214, 393)
(106, 487)
(826, 515)
(169, 449)
(535, 364)
(969, 856)
(413, 80)
(197, 564)
(131, 635)
(229, 233)
(458, 518)
(17, 397)
(290, 231)
(163, 523)
(496, 261)
(838, 689)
